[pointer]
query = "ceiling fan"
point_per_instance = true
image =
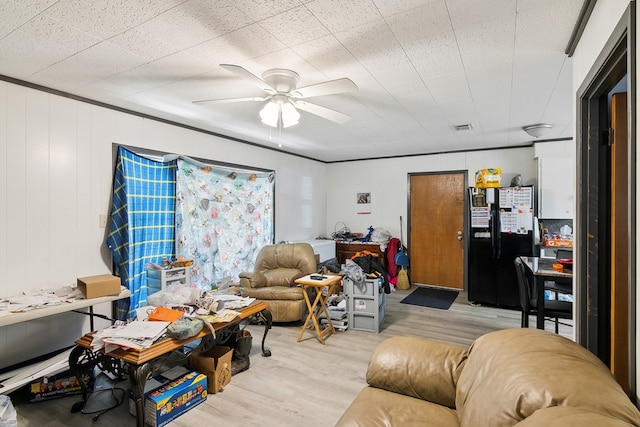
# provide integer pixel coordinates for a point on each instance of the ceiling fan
(284, 98)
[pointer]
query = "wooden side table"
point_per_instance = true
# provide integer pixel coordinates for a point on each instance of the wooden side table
(319, 303)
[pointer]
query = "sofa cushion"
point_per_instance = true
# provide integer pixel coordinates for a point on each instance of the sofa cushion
(375, 407)
(565, 416)
(510, 374)
(417, 367)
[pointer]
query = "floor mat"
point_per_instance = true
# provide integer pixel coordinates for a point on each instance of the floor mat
(431, 297)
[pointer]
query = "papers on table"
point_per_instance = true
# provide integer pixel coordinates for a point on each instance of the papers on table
(234, 302)
(137, 329)
(141, 334)
(222, 316)
(31, 300)
(136, 335)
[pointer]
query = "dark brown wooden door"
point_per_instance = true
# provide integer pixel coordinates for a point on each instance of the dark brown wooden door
(436, 219)
(619, 242)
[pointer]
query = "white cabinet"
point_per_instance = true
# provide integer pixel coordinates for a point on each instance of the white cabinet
(556, 180)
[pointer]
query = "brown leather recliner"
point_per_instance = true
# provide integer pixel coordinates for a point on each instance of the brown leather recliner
(273, 279)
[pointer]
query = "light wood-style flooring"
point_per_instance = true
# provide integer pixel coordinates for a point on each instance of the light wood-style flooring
(301, 384)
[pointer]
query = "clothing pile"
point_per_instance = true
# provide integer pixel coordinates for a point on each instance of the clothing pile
(369, 265)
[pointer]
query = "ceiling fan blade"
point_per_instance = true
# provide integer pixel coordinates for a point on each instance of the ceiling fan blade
(324, 112)
(243, 72)
(326, 88)
(226, 100)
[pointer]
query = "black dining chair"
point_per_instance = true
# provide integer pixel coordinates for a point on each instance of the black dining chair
(561, 286)
(553, 310)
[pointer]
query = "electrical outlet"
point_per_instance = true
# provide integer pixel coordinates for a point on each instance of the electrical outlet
(102, 221)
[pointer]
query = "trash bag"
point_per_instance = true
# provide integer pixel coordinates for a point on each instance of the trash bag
(380, 235)
(184, 328)
(8, 414)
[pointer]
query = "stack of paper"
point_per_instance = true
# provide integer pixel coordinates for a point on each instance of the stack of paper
(222, 316)
(136, 334)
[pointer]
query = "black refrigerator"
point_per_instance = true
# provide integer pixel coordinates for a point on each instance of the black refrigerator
(501, 227)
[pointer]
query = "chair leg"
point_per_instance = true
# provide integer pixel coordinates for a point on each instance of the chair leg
(557, 325)
(524, 320)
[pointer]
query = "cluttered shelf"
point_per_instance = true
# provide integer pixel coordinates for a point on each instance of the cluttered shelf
(40, 306)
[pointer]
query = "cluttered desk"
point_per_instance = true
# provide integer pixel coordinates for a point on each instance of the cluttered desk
(140, 360)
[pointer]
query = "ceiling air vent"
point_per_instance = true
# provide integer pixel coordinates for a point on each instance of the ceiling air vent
(466, 126)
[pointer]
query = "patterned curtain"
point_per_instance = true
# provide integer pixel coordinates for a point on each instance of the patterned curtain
(223, 218)
(142, 221)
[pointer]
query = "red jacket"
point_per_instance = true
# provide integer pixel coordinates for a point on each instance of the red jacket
(392, 249)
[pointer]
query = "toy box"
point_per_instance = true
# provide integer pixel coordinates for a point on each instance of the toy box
(155, 382)
(215, 364)
(168, 402)
(60, 384)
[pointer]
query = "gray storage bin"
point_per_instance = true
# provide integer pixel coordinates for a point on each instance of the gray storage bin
(366, 305)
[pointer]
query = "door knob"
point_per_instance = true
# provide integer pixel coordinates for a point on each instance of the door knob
(459, 235)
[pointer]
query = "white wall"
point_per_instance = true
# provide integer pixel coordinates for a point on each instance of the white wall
(604, 18)
(387, 181)
(55, 182)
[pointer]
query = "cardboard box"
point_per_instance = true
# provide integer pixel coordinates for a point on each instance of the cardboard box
(215, 364)
(99, 286)
(57, 385)
(168, 402)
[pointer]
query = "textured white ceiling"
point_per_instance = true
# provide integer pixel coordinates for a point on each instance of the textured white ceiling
(422, 66)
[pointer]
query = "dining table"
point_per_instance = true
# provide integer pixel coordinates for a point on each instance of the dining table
(542, 270)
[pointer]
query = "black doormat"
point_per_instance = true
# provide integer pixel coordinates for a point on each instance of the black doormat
(431, 297)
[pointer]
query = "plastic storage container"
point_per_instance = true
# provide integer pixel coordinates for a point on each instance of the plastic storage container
(366, 304)
(158, 280)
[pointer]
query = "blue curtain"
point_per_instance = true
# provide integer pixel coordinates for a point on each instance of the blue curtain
(142, 221)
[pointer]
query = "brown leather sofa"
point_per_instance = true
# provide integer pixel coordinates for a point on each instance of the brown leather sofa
(272, 281)
(523, 377)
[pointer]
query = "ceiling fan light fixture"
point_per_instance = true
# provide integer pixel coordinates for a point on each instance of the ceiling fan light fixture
(277, 113)
(290, 115)
(537, 130)
(269, 114)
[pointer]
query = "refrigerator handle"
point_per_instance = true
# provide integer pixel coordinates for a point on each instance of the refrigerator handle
(494, 225)
(495, 236)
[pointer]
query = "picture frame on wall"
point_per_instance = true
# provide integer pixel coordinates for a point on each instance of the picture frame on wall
(363, 203)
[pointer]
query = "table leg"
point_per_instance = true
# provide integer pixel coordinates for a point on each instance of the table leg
(138, 378)
(314, 316)
(539, 281)
(309, 315)
(77, 356)
(265, 317)
(323, 309)
(81, 360)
